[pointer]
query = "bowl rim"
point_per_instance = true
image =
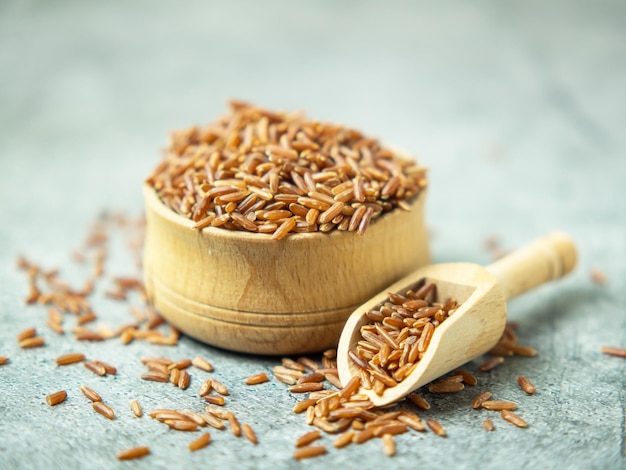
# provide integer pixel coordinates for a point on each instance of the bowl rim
(153, 202)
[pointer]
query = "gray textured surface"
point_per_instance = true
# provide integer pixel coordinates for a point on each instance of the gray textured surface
(517, 108)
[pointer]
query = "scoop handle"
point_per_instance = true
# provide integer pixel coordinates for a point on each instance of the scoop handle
(544, 259)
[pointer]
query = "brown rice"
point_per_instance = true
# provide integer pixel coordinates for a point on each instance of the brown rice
(309, 452)
(33, 342)
(496, 405)
(200, 442)
(389, 446)
(513, 418)
(26, 334)
(307, 438)
(256, 379)
(613, 351)
(526, 385)
(56, 398)
(202, 364)
(231, 173)
(89, 393)
(436, 427)
(480, 399)
(249, 433)
(398, 335)
(133, 453)
(103, 409)
(135, 407)
(491, 364)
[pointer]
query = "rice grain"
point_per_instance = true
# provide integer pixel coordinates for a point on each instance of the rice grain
(256, 379)
(480, 399)
(213, 400)
(202, 364)
(200, 443)
(468, 378)
(233, 424)
(613, 351)
(89, 393)
(436, 427)
(302, 406)
(103, 409)
(181, 425)
(184, 379)
(182, 364)
(26, 334)
(249, 433)
(445, 387)
(57, 397)
(307, 438)
(513, 418)
(491, 364)
(526, 385)
(496, 405)
(219, 387)
(107, 367)
(309, 452)
(135, 407)
(389, 446)
(154, 376)
(96, 368)
(70, 358)
(344, 439)
(306, 387)
(419, 401)
(133, 453)
(34, 342)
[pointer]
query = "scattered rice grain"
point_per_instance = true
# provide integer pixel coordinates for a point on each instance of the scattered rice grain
(70, 358)
(135, 407)
(56, 398)
(256, 379)
(436, 427)
(491, 364)
(309, 452)
(613, 351)
(389, 445)
(96, 368)
(202, 364)
(480, 399)
(133, 453)
(89, 393)
(103, 409)
(26, 334)
(34, 342)
(526, 385)
(498, 405)
(200, 443)
(307, 438)
(513, 419)
(219, 387)
(248, 433)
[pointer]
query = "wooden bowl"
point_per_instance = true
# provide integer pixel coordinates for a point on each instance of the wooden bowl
(247, 292)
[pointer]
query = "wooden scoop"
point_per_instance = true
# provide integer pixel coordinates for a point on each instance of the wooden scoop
(477, 325)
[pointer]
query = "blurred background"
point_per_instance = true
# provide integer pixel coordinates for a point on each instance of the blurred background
(499, 99)
(517, 108)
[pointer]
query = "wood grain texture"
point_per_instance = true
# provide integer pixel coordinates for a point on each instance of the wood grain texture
(246, 292)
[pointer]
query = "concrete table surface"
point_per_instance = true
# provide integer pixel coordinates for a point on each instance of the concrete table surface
(517, 108)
